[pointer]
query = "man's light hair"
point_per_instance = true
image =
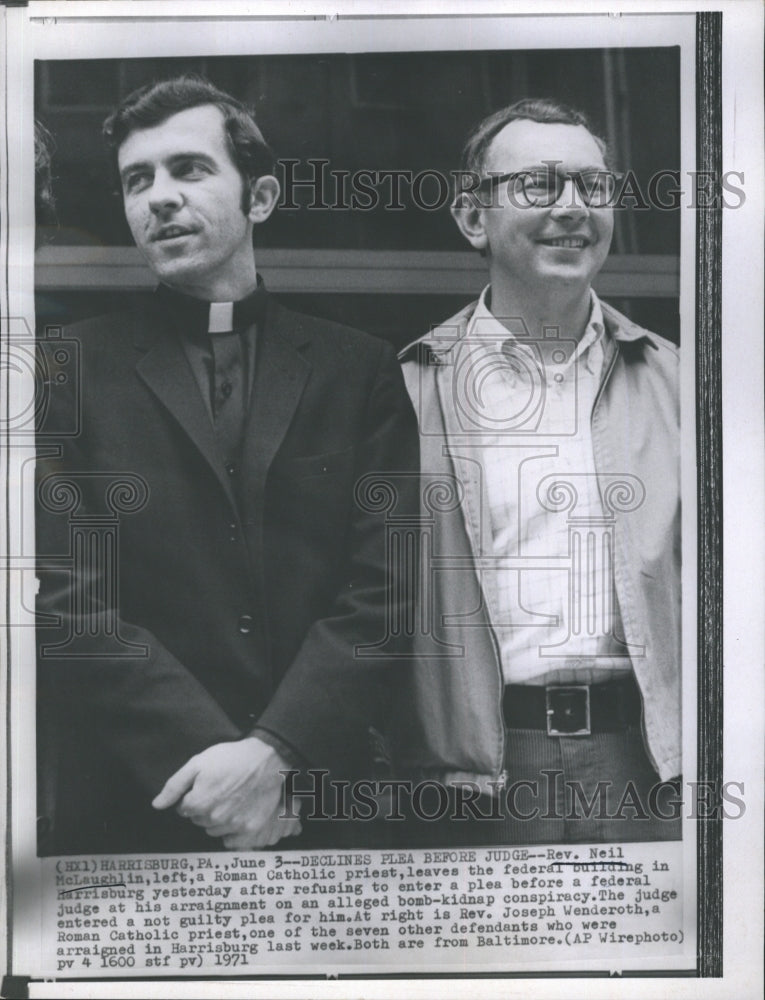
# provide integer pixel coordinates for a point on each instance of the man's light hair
(533, 109)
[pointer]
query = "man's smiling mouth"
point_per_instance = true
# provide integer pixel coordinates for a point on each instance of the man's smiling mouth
(567, 242)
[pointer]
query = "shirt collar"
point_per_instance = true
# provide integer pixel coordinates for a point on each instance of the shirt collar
(590, 346)
(221, 318)
(192, 317)
(484, 326)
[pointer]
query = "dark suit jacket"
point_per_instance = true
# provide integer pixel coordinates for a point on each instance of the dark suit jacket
(228, 603)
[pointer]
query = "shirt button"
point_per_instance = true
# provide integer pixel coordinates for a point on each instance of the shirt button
(245, 624)
(231, 469)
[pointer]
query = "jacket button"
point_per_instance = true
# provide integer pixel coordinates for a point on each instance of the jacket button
(245, 624)
(232, 532)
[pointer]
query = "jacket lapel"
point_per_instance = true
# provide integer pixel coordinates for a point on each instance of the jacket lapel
(280, 376)
(281, 371)
(165, 370)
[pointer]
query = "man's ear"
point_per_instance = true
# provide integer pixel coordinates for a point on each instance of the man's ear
(264, 194)
(468, 214)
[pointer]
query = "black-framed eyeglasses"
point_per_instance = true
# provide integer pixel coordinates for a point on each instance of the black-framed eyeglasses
(542, 188)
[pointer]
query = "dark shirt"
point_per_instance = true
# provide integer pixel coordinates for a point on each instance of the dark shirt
(190, 318)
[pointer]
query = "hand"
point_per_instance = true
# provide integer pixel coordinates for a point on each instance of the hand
(234, 791)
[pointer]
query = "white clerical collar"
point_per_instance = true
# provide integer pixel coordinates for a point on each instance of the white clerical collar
(221, 317)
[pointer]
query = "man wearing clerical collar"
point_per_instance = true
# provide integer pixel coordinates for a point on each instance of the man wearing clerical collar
(547, 694)
(217, 638)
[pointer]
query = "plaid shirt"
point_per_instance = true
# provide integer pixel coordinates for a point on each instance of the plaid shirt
(555, 622)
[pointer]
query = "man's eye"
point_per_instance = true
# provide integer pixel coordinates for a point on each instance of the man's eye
(598, 186)
(542, 182)
(192, 169)
(595, 181)
(136, 182)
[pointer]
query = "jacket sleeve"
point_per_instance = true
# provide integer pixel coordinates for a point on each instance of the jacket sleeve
(341, 679)
(95, 669)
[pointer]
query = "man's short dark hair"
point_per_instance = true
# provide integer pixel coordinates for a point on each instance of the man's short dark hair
(534, 109)
(154, 103)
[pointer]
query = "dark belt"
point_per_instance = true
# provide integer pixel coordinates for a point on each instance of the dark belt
(573, 709)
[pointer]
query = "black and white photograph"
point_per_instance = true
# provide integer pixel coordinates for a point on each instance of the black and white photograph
(366, 454)
(251, 576)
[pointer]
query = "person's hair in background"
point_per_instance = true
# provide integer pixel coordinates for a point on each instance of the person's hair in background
(45, 202)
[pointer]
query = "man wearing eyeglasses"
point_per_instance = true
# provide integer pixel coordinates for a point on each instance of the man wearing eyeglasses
(546, 701)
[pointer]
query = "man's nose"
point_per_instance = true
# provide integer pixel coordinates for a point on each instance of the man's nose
(165, 193)
(570, 203)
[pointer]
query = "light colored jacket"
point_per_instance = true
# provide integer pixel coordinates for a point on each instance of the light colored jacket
(449, 721)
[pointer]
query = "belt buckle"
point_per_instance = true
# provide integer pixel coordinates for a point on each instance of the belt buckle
(568, 710)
